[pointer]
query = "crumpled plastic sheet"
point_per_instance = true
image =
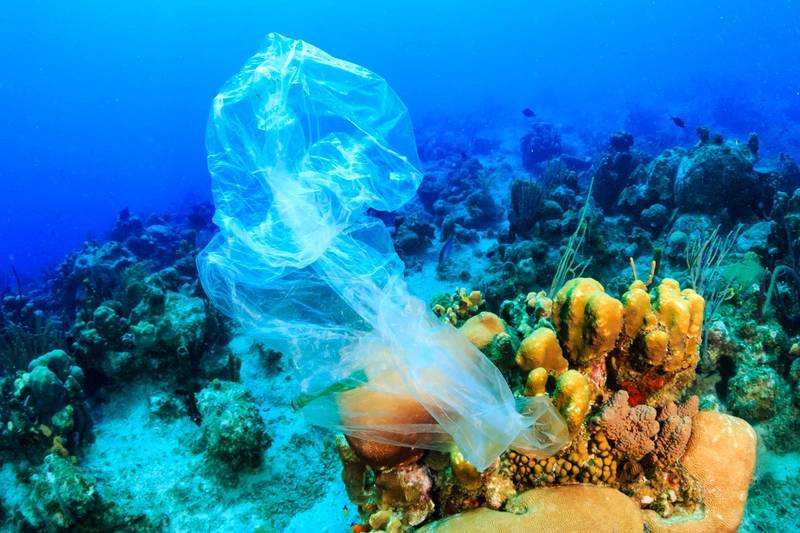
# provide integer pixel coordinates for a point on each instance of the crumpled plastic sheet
(300, 145)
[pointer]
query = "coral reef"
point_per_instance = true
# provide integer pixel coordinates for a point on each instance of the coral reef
(616, 371)
(233, 430)
(600, 509)
(543, 142)
(626, 364)
(588, 321)
(720, 456)
(64, 498)
(615, 168)
(45, 409)
(717, 175)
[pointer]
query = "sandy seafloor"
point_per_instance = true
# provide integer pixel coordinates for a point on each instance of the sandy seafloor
(151, 466)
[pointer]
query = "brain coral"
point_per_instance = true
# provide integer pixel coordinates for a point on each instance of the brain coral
(553, 509)
(722, 456)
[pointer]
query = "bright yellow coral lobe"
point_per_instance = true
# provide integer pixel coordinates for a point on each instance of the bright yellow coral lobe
(636, 303)
(464, 471)
(541, 349)
(572, 397)
(482, 328)
(587, 319)
(681, 313)
(536, 384)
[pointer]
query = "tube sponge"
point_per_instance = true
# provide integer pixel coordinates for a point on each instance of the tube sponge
(300, 146)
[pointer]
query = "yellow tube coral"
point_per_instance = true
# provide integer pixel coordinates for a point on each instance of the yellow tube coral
(636, 302)
(482, 329)
(536, 383)
(541, 349)
(681, 313)
(464, 471)
(587, 319)
(572, 398)
(660, 346)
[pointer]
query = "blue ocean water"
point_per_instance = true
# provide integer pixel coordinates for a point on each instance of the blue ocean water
(104, 107)
(528, 249)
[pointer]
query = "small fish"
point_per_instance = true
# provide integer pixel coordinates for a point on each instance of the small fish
(678, 122)
(447, 249)
(345, 510)
(528, 112)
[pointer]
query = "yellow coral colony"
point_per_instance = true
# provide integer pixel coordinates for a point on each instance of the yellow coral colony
(536, 384)
(659, 348)
(572, 398)
(615, 370)
(681, 313)
(482, 328)
(541, 349)
(588, 321)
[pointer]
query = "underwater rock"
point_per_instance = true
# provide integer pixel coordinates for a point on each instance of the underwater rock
(47, 409)
(543, 142)
(757, 393)
(167, 407)
(652, 183)
(48, 392)
(655, 216)
(233, 430)
(530, 212)
(614, 170)
(64, 498)
(620, 141)
(85, 278)
(413, 236)
(127, 225)
(676, 245)
(755, 238)
(154, 325)
(428, 191)
(466, 198)
(716, 177)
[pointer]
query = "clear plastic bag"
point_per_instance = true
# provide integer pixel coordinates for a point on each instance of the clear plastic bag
(300, 145)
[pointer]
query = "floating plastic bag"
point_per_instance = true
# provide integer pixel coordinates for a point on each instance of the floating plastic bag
(300, 145)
